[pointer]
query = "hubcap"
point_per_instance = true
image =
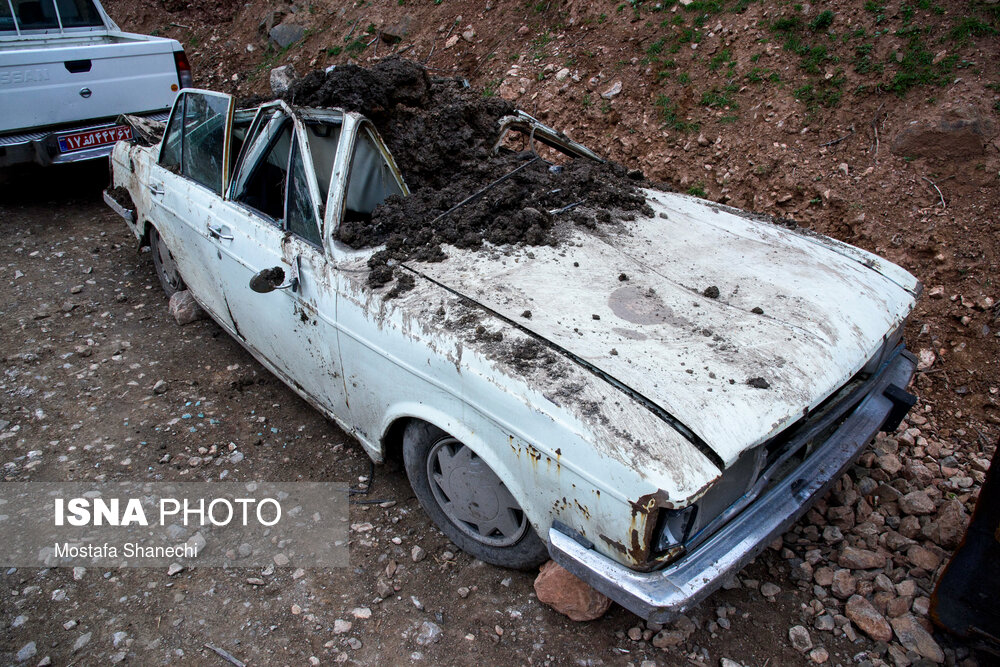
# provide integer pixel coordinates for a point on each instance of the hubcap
(166, 264)
(472, 496)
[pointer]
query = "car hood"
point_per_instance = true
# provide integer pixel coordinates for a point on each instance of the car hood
(733, 326)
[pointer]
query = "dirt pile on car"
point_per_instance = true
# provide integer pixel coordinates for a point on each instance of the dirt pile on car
(441, 133)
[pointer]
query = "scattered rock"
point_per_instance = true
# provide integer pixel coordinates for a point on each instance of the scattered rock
(678, 633)
(800, 639)
(27, 651)
(429, 633)
(860, 559)
(866, 617)
(569, 595)
(281, 79)
(184, 308)
(917, 503)
(417, 553)
(915, 638)
(615, 89)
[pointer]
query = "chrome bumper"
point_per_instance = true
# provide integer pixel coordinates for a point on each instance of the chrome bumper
(42, 146)
(661, 595)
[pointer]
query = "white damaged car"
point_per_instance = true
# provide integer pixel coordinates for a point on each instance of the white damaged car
(650, 436)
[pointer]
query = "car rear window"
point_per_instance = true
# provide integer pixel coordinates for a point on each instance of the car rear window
(48, 15)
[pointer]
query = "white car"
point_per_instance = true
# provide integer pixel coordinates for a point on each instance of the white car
(648, 437)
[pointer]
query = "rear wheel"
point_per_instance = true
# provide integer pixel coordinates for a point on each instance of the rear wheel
(163, 262)
(467, 500)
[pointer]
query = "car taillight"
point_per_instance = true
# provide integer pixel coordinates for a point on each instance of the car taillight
(183, 70)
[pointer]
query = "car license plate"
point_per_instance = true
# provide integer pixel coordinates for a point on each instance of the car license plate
(93, 138)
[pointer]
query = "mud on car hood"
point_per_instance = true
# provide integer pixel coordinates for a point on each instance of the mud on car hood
(735, 327)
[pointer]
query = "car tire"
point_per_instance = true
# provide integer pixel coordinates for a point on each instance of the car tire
(164, 264)
(467, 500)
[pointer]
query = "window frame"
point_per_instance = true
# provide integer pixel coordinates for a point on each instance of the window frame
(299, 136)
(180, 103)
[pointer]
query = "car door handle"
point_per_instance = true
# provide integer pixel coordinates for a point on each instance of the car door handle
(155, 189)
(219, 232)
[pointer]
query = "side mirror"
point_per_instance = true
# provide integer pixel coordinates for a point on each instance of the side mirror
(268, 280)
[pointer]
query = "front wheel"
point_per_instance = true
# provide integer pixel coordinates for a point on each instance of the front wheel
(163, 262)
(467, 500)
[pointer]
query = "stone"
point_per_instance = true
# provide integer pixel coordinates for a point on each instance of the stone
(361, 612)
(613, 91)
(819, 655)
(282, 79)
(948, 526)
(451, 41)
(160, 387)
(428, 633)
(417, 553)
(469, 34)
(769, 590)
(635, 633)
(286, 34)
(923, 558)
(800, 639)
(184, 309)
(340, 626)
(860, 559)
(915, 638)
(957, 132)
(562, 74)
(916, 503)
(823, 576)
(844, 584)
(824, 623)
(678, 633)
(568, 595)
(27, 651)
(868, 619)
(82, 641)
(174, 569)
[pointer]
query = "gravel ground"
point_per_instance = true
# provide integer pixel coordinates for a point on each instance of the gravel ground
(85, 339)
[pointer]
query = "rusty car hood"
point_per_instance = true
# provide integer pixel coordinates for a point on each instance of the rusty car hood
(795, 317)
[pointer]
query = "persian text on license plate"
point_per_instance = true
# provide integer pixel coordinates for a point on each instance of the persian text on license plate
(93, 138)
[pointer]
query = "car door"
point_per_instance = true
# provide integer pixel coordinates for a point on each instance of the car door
(186, 187)
(272, 220)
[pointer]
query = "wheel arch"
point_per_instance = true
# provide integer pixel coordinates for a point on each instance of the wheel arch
(394, 427)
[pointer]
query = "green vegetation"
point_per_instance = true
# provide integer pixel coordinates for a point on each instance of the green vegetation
(917, 68)
(697, 191)
(970, 27)
(823, 21)
(718, 98)
(668, 114)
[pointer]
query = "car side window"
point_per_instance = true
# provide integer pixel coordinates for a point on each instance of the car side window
(370, 181)
(204, 138)
(170, 152)
(261, 182)
(300, 218)
(194, 144)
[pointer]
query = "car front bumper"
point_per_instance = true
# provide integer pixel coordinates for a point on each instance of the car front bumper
(661, 595)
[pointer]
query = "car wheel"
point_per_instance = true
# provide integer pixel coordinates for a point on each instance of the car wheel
(163, 262)
(467, 500)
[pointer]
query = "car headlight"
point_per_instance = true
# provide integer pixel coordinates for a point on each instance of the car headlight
(677, 529)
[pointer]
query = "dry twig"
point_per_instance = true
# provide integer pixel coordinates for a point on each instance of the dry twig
(225, 655)
(943, 205)
(837, 141)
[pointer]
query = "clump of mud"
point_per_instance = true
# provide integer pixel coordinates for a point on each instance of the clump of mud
(441, 134)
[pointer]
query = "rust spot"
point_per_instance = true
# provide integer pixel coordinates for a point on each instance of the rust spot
(617, 546)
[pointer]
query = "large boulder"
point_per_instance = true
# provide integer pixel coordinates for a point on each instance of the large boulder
(286, 34)
(282, 79)
(957, 132)
(569, 595)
